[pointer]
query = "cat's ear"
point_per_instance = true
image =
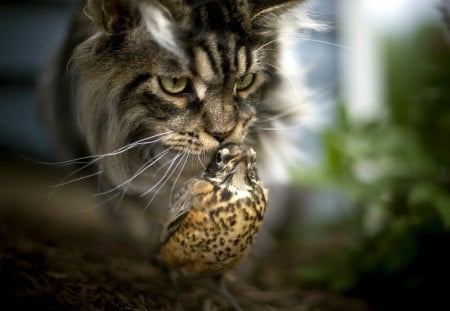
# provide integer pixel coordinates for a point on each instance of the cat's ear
(160, 23)
(112, 16)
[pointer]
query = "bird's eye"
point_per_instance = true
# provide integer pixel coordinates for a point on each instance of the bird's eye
(218, 158)
(174, 86)
(245, 82)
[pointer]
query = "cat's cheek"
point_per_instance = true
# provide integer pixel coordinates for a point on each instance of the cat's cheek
(238, 134)
(240, 131)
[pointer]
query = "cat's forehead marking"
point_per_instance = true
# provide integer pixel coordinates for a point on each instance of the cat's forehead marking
(242, 61)
(200, 88)
(219, 61)
(204, 65)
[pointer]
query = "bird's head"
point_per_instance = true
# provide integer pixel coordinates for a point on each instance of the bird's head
(232, 162)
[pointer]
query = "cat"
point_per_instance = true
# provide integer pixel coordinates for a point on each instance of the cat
(147, 90)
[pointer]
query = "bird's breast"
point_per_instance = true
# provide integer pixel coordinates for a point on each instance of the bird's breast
(217, 232)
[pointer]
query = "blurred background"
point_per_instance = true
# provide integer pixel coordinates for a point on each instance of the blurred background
(375, 182)
(31, 31)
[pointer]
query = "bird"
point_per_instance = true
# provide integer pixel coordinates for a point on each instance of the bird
(215, 217)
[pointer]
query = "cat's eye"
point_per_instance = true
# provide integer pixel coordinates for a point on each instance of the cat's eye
(245, 82)
(174, 85)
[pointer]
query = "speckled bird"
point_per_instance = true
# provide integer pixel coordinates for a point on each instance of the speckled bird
(216, 216)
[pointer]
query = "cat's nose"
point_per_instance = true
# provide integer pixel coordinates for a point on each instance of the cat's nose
(221, 136)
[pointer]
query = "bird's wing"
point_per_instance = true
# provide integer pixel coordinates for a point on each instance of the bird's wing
(177, 211)
(185, 198)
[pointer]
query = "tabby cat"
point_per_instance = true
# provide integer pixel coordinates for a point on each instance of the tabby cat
(147, 90)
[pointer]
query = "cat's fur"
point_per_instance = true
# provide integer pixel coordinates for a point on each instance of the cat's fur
(103, 91)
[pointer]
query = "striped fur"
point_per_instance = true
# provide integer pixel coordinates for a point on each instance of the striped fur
(119, 51)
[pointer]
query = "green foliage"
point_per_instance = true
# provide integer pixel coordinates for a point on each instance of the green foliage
(396, 174)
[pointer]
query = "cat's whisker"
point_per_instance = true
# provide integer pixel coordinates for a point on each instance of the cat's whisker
(257, 129)
(266, 44)
(62, 184)
(250, 140)
(124, 191)
(313, 121)
(295, 108)
(141, 170)
(288, 78)
(181, 163)
(163, 181)
(132, 145)
(96, 158)
(296, 36)
(184, 159)
(288, 111)
(100, 204)
(308, 39)
(171, 163)
(66, 180)
(82, 160)
(200, 161)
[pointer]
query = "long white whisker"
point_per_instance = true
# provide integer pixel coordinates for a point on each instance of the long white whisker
(101, 204)
(142, 169)
(293, 108)
(200, 161)
(178, 164)
(184, 159)
(327, 43)
(125, 148)
(141, 142)
(97, 158)
(291, 82)
(163, 177)
(163, 184)
(64, 183)
(121, 199)
(276, 128)
(266, 44)
(76, 179)
(288, 111)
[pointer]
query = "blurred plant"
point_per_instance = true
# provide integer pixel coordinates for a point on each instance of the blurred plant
(396, 174)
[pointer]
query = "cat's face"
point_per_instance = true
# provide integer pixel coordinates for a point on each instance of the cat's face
(206, 96)
(190, 74)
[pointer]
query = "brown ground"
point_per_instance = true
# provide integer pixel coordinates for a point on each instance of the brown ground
(55, 255)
